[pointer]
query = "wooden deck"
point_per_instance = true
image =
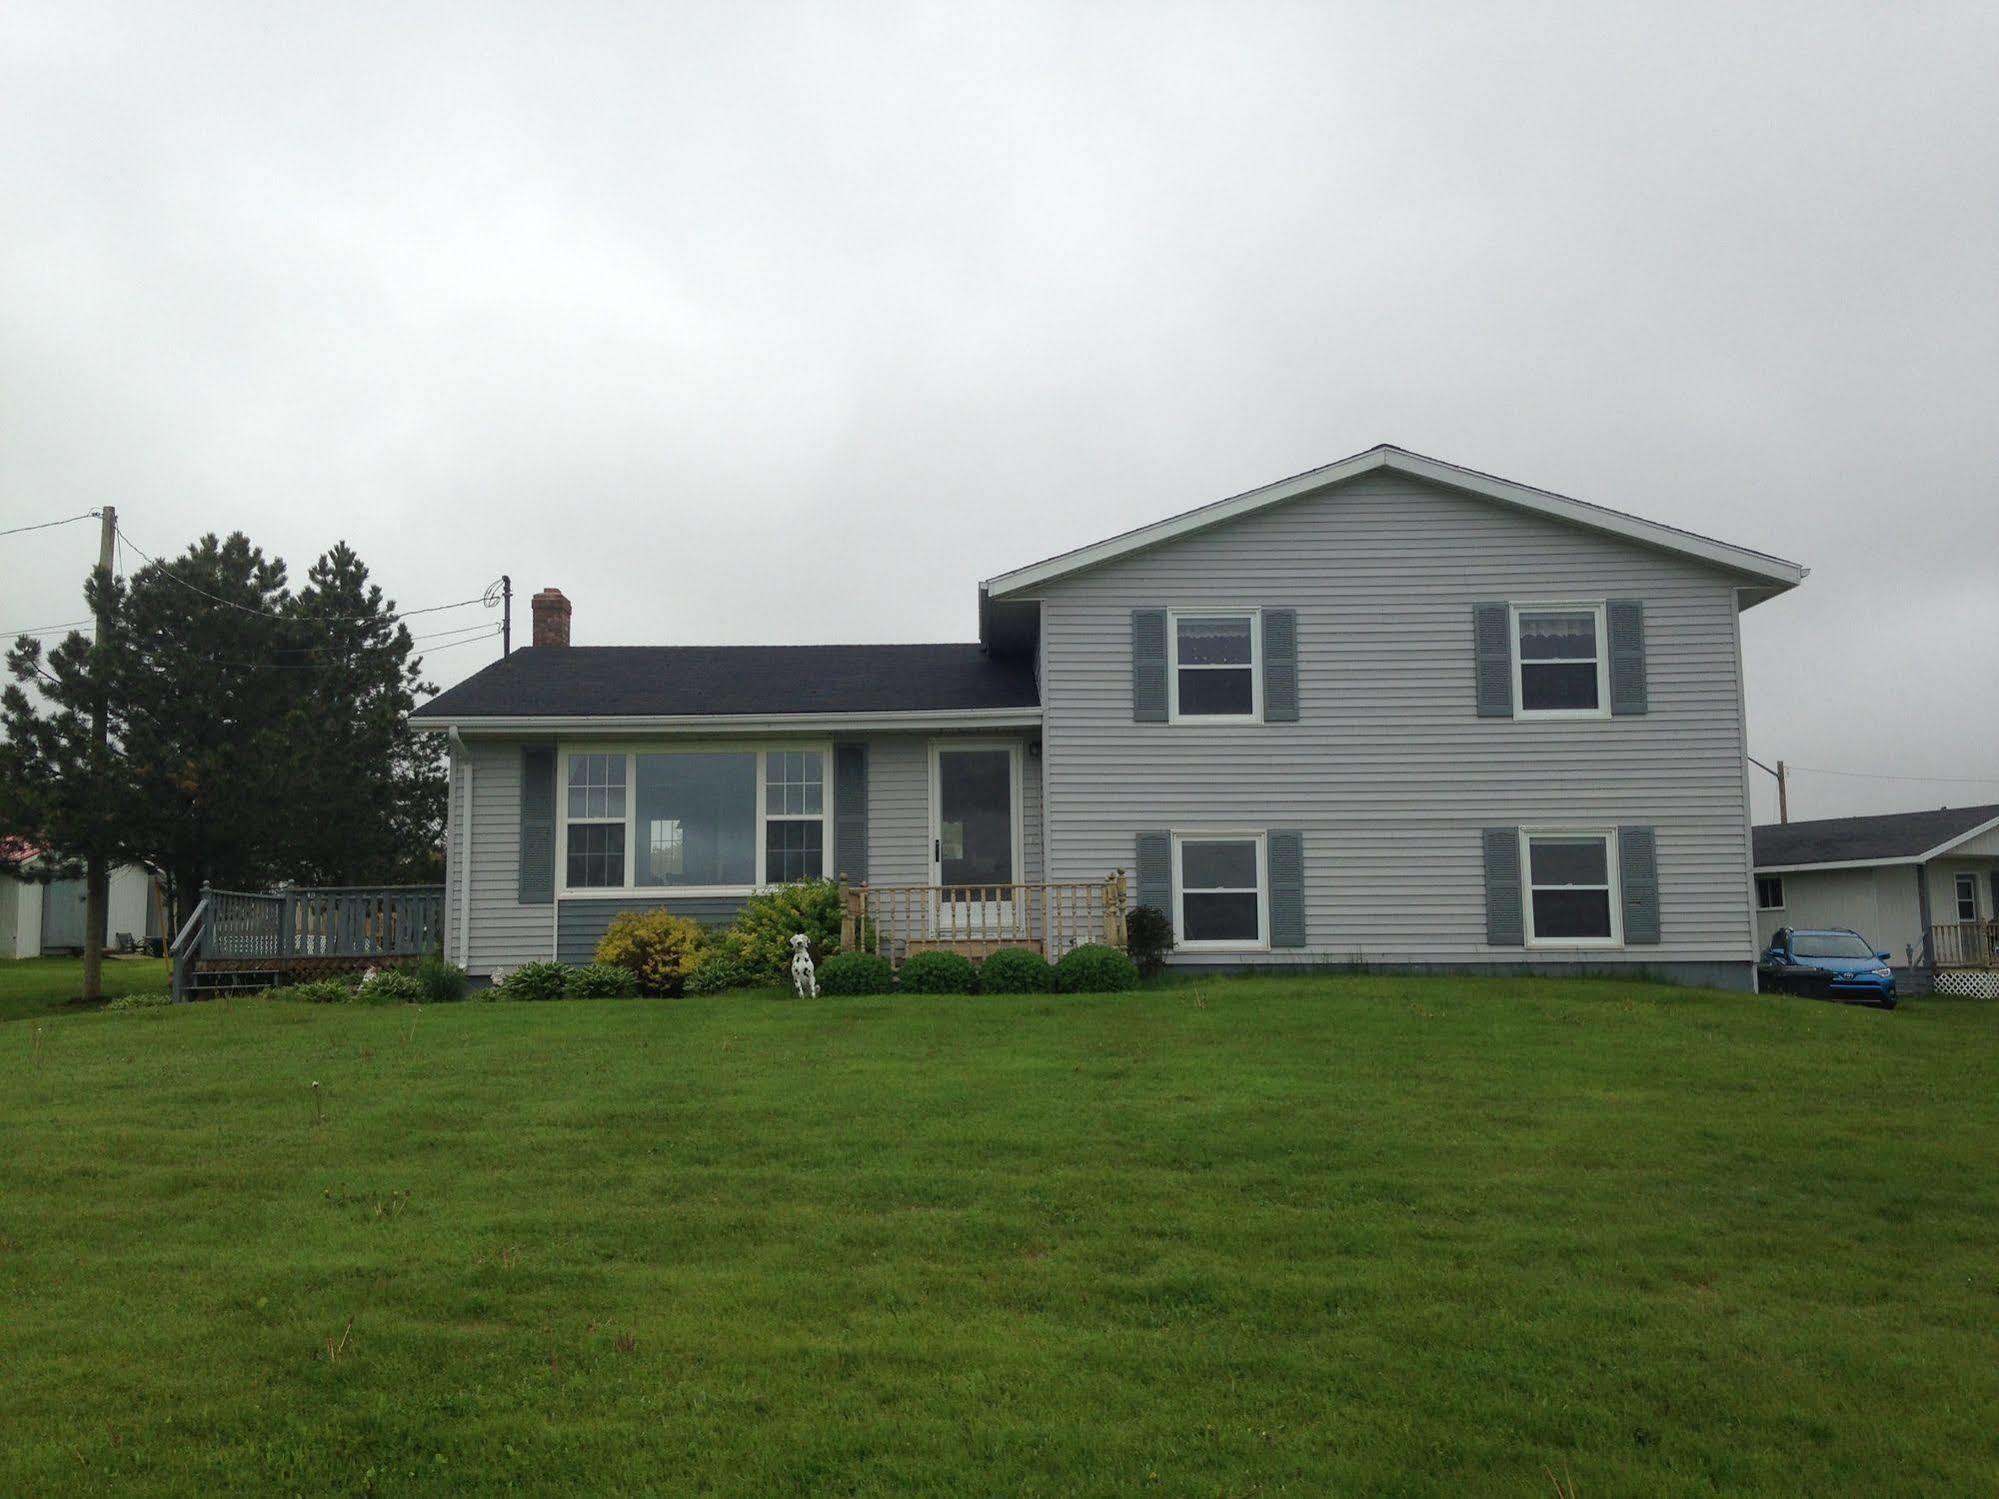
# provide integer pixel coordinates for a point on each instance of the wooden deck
(1965, 944)
(242, 939)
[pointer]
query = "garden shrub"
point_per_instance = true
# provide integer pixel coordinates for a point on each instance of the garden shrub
(938, 973)
(855, 973)
(1016, 970)
(391, 986)
(442, 983)
(659, 947)
(1148, 938)
(1095, 969)
(600, 981)
(543, 980)
(763, 929)
(722, 970)
(323, 992)
(149, 999)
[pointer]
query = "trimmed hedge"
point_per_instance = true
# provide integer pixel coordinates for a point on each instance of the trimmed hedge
(1015, 970)
(1095, 969)
(600, 981)
(938, 973)
(855, 973)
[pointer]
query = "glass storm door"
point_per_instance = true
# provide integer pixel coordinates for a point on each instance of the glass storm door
(974, 847)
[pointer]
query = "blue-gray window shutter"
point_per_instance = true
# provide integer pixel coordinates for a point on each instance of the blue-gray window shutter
(1492, 646)
(1638, 875)
(1504, 924)
(850, 812)
(1155, 872)
(537, 873)
(1280, 666)
(1286, 851)
(1148, 666)
(1626, 625)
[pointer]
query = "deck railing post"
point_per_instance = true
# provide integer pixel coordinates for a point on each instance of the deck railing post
(847, 925)
(205, 940)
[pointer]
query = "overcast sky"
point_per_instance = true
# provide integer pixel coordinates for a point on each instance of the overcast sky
(766, 323)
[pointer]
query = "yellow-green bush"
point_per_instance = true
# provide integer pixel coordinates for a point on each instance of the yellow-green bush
(658, 947)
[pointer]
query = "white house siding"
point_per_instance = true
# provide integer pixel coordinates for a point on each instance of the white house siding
(1878, 902)
(1943, 885)
(10, 915)
(1389, 772)
(506, 933)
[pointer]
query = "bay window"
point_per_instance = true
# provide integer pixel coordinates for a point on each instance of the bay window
(694, 819)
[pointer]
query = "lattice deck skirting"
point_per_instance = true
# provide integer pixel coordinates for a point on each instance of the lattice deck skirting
(1972, 983)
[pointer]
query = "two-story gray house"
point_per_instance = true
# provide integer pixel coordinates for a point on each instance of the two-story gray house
(1391, 711)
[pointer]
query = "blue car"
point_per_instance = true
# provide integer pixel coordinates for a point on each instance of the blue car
(1829, 964)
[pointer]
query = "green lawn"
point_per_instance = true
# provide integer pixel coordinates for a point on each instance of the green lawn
(42, 986)
(1249, 1237)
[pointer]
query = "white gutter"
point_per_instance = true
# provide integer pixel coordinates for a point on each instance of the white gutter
(462, 756)
(571, 725)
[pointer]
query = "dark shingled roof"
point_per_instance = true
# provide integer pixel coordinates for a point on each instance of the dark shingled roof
(1837, 840)
(672, 680)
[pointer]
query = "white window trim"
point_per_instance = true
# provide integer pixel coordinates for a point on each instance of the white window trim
(1572, 606)
(1223, 835)
(1173, 713)
(1611, 874)
(1957, 894)
(631, 889)
(1759, 892)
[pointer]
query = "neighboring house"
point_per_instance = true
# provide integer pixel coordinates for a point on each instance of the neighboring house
(1391, 712)
(1921, 886)
(42, 915)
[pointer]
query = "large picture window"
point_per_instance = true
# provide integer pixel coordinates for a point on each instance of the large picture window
(1222, 888)
(1559, 661)
(694, 819)
(1214, 660)
(1572, 896)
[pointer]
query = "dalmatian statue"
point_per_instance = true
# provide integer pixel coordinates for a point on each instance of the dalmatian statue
(804, 978)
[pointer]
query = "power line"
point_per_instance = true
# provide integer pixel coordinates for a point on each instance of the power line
(47, 524)
(167, 570)
(45, 629)
(1876, 775)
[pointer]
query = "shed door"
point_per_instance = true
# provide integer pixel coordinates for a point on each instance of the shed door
(62, 915)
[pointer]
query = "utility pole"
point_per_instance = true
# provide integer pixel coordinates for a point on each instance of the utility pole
(97, 870)
(1783, 794)
(506, 615)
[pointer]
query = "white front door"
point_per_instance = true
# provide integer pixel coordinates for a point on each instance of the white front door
(974, 837)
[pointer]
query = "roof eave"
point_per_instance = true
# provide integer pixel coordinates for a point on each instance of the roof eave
(587, 724)
(1776, 573)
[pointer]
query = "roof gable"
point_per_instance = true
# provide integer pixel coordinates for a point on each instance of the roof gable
(1774, 573)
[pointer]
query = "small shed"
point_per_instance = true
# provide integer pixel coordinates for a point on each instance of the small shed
(41, 912)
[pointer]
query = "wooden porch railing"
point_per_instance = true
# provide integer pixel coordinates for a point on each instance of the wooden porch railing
(1050, 917)
(248, 928)
(1965, 944)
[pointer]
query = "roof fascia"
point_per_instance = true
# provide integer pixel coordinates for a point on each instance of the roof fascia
(733, 723)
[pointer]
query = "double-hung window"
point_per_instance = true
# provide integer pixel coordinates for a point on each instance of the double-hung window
(694, 819)
(1769, 892)
(596, 821)
(1212, 666)
(794, 815)
(1561, 669)
(1967, 897)
(1572, 894)
(1221, 886)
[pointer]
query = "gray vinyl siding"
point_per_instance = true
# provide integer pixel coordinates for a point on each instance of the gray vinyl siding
(1390, 772)
(506, 933)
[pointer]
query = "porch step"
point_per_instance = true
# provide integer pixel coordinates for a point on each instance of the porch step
(971, 947)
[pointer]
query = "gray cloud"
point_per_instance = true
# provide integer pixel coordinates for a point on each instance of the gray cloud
(776, 323)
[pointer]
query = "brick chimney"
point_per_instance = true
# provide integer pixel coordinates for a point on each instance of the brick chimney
(551, 618)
